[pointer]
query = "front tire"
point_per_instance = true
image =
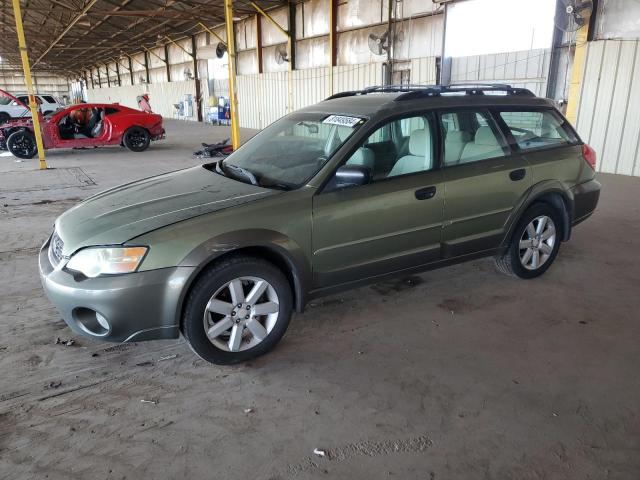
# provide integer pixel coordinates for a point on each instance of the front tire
(237, 310)
(22, 144)
(136, 139)
(534, 244)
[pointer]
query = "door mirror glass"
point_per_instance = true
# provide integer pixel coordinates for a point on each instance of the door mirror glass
(349, 176)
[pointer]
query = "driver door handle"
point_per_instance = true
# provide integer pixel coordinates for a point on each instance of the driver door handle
(426, 193)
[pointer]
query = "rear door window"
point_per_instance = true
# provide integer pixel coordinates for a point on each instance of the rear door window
(537, 129)
(49, 99)
(470, 136)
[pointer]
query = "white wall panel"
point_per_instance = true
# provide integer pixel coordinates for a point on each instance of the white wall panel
(264, 98)
(526, 69)
(423, 71)
(608, 117)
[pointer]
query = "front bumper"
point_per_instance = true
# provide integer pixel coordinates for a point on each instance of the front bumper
(130, 307)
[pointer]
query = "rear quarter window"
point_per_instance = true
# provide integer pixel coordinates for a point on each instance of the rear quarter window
(534, 129)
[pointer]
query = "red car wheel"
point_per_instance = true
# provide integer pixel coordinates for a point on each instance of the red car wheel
(22, 144)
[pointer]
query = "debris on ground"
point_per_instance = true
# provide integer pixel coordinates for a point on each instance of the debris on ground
(144, 364)
(248, 410)
(220, 149)
(95, 354)
(66, 343)
(318, 452)
(168, 357)
(52, 385)
(154, 402)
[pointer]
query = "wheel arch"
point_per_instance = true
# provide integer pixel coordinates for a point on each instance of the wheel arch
(552, 193)
(287, 261)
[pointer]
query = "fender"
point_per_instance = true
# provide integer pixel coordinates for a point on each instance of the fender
(275, 246)
(535, 193)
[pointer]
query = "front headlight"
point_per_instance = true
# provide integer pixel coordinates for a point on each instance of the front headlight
(95, 261)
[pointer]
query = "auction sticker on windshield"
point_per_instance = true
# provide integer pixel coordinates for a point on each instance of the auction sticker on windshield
(342, 120)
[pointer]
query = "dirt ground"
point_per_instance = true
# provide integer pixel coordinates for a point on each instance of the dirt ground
(457, 373)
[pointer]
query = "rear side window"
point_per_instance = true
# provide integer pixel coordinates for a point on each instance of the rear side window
(537, 129)
(25, 99)
(110, 111)
(49, 99)
(470, 136)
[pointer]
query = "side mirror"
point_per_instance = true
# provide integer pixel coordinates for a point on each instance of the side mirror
(349, 176)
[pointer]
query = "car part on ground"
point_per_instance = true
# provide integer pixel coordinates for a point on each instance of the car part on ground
(409, 179)
(210, 150)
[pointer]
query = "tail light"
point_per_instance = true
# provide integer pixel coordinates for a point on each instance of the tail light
(589, 155)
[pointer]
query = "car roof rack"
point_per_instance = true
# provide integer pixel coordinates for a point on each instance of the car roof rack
(410, 92)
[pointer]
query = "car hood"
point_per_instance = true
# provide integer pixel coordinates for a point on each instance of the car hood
(124, 212)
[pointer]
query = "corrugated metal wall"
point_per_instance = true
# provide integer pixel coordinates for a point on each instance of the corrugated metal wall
(608, 117)
(264, 98)
(528, 69)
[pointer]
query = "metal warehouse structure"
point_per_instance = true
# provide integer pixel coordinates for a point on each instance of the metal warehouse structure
(289, 54)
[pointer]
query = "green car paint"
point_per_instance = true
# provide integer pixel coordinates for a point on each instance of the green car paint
(324, 239)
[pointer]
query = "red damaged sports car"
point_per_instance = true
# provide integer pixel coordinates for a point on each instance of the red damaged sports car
(83, 125)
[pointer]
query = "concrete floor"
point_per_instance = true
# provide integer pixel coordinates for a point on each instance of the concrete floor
(490, 377)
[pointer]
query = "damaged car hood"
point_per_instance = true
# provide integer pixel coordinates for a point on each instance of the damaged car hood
(124, 212)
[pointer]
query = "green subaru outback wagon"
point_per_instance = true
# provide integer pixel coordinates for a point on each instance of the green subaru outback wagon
(364, 185)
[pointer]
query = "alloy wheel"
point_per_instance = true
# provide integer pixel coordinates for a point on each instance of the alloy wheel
(24, 145)
(241, 314)
(137, 139)
(537, 242)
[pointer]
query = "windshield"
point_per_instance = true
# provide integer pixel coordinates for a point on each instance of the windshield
(290, 151)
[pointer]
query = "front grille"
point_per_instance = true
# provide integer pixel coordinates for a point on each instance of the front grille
(55, 249)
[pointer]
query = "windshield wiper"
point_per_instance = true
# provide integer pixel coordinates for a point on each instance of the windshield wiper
(242, 171)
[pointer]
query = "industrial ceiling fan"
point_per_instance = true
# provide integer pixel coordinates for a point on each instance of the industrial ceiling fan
(281, 54)
(379, 44)
(575, 15)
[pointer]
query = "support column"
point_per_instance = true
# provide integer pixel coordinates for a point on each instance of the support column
(118, 72)
(259, 42)
(194, 54)
(130, 70)
(35, 114)
(231, 51)
(166, 62)
(146, 67)
(333, 44)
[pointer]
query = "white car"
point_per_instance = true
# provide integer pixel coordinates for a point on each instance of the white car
(9, 108)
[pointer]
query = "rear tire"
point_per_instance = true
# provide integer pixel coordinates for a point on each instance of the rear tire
(136, 139)
(241, 298)
(534, 244)
(4, 117)
(22, 144)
